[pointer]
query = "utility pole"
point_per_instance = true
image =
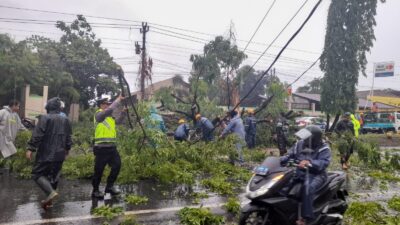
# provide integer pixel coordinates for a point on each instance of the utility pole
(230, 92)
(143, 72)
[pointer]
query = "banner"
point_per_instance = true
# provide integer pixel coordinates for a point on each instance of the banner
(384, 69)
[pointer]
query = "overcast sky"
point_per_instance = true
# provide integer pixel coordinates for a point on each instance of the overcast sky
(207, 18)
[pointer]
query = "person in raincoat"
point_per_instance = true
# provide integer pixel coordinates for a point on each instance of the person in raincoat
(314, 155)
(156, 121)
(251, 129)
(235, 126)
(51, 140)
(206, 126)
(10, 124)
(182, 132)
(356, 125)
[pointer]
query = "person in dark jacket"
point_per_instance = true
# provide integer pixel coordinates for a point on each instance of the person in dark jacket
(345, 129)
(207, 128)
(315, 156)
(51, 140)
(250, 125)
(182, 132)
(281, 130)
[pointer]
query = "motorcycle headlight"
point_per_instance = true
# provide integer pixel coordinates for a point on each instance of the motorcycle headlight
(263, 189)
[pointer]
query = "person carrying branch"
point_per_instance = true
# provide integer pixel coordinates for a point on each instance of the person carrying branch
(105, 149)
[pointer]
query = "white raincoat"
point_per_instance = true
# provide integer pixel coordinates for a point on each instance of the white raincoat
(10, 124)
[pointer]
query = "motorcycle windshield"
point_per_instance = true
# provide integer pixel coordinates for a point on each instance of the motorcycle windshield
(273, 164)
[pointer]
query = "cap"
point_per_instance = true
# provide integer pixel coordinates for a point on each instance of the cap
(198, 116)
(181, 121)
(250, 110)
(103, 101)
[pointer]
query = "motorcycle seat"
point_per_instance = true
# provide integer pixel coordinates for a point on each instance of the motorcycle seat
(295, 190)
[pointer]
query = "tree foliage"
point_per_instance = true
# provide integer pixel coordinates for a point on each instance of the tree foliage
(220, 58)
(312, 87)
(76, 68)
(91, 66)
(349, 35)
(246, 82)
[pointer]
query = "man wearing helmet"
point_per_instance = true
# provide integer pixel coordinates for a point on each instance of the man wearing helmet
(314, 155)
(206, 126)
(182, 132)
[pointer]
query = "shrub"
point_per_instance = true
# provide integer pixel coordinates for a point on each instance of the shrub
(199, 216)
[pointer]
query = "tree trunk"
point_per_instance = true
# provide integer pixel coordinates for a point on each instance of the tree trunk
(334, 122)
(328, 118)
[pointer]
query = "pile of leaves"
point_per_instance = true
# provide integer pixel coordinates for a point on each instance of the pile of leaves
(199, 216)
(371, 213)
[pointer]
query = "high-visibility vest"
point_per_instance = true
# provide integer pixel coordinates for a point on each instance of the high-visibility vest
(105, 131)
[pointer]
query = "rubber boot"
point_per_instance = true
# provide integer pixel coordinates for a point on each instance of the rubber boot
(112, 190)
(46, 186)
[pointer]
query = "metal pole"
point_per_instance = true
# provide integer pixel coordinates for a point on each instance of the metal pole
(371, 92)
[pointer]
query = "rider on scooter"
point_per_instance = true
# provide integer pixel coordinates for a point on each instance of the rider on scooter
(313, 154)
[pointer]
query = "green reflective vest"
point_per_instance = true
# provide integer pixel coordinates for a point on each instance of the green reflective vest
(105, 131)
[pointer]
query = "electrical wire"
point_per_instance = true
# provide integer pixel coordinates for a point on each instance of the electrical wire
(259, 25)
(280, 53)
(153, 24)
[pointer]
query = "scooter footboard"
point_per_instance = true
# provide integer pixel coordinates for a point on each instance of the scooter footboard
(282, 209)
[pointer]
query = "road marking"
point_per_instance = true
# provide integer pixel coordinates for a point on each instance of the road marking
(89, 217)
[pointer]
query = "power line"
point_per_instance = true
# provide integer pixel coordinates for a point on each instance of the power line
(170, 35)
(280, 52)
(279, 34)
(154, 24)
(64, 13)
(259, 25)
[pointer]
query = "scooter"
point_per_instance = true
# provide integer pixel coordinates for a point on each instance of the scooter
(270, 205)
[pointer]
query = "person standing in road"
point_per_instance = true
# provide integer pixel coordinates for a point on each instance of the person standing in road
(356, 125)
(10, 124)
(235, 126)
(251, 129)
(51, 140)
(105, 149)
(345, 129)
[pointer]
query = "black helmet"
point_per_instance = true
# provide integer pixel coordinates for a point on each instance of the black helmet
(311, 135)
(53, 105)
(316, 138)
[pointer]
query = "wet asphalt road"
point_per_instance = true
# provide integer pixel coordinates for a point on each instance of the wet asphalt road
(20, 202)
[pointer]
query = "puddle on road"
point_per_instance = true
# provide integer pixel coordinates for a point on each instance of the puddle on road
(19, 199)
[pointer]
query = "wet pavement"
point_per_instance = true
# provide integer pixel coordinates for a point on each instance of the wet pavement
(19, 202)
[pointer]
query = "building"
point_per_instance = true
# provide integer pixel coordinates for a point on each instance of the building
(311, 103)
(180, 87)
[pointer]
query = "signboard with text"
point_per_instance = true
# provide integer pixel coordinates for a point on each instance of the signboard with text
(384, 69)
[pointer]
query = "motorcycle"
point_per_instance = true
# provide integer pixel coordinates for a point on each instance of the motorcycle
(270, 205)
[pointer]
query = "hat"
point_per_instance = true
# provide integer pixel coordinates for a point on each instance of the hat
(250, 110)
(103, 101)
(181, 121)
(53, 104)
(198, 116)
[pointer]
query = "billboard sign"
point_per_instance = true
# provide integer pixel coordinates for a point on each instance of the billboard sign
(384, 69)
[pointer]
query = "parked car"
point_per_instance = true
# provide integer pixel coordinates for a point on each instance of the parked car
(302, 122)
